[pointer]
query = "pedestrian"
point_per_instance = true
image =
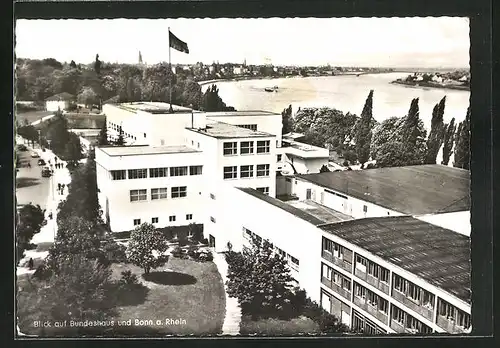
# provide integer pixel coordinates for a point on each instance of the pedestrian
(29, 165)
(50, 215)
(62, 189)
(59, 187)
(31, 264)
(55, 159)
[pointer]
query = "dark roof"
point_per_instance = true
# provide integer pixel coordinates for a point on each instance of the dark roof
(280, 204)
(64, 96)
(412, 190)
(437, 255)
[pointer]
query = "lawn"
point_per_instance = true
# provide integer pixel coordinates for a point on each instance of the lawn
(189, 291)
(275, 327)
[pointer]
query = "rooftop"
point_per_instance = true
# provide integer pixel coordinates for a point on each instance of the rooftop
(222, 130)
(64, 96)
(412, 190)
(293, 136)
(319, 211)
(241, 113)
(437, 255)
(152, 107)
(137, 150)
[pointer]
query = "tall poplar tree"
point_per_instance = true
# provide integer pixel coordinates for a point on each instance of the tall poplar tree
(448, 140)
(103, 135)
(462, 148)
(435, 139)
(363, 135)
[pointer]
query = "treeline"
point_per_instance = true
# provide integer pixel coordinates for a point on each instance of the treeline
(94, 84)
(397, 141)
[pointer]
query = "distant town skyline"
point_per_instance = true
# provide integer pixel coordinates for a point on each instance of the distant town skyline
(430, 42)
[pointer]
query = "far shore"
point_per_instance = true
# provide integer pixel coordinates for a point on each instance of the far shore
(420, 84)
(245, 78)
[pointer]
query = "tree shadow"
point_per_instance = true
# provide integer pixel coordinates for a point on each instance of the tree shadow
(26, 182)
(130, 294)
(170, 278)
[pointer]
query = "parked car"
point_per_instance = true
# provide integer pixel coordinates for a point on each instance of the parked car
(46, 172)
(41, 162)
(35, 154)
(22, 147)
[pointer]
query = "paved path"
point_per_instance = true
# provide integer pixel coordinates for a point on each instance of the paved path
(47, 232)
(232, 319)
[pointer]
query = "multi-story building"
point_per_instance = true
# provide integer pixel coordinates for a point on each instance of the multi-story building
(380, 275)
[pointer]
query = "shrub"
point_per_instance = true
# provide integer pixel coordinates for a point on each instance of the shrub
(345, 163)
(183, 240)
(204, 241)
(177, 252)
(370, 166)
(129, 278)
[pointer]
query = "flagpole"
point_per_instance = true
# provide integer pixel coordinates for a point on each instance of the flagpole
(170, 67)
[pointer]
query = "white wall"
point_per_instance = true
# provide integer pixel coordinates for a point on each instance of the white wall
(54, 105)
(117, 192)
(350, 206)
(286, 231)
(457, 221)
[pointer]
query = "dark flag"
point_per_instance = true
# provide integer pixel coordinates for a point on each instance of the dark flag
(177, 44)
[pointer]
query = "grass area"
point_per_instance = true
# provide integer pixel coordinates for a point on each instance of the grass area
(194, 293)
(184, 290)
(276, 327)
(32, 116)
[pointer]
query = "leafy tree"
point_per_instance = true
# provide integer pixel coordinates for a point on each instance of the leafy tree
(80, 290)
(287, 120)
(73, 150)
(57, 132)
(436, 135)
(396, 154)
(363, 135)
(72, 65)
(410, 131)
(143, 241)
(383, 133)
(30, 219)
(88, 97)
(103, 135)
(213, 102)
(325, 126)
(82, 200)
(449, 136)
(462, 141)
(260, 279)
(324, 169)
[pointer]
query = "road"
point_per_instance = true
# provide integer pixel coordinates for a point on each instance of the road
(30, 185)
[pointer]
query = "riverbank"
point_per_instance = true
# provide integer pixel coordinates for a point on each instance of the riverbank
(431, 85)
(246, 78)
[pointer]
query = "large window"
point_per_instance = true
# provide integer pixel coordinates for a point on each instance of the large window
(230, 148)
(178, 171)
(361, 263)
(189, 217)
(137, 222)
(246, 147)
(359, 291)
(159, 193)
(180, 191)
(195, 170)
(118, 174)
(137, 173)
(230, 172)
(246, 171)
(263, 146)
(138, 195)
(398, 315)
(262, 169)
(158, 172)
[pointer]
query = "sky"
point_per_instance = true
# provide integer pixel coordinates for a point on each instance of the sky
(375, 42)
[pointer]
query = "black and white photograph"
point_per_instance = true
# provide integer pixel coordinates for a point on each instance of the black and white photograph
(266, 177)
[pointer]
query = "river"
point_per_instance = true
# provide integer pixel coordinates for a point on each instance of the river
(344, 92)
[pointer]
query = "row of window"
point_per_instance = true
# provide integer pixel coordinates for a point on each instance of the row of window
(246, 147)
(413, 292)
(454, 314)
(158, 193)
(374, 300)
(408, 321)
(337, 250)
(156, 172)
(171, 218)
(339, 279)
(116, 128)
(292, 261)
(373, 269)
(364, 325)
(249, 126)
(246, 171)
